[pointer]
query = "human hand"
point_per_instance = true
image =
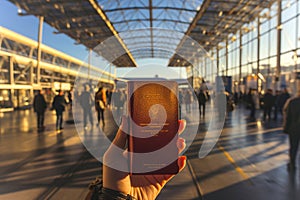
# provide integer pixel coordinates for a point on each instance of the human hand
(146, 187)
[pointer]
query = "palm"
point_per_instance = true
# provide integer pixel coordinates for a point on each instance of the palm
(147, 186)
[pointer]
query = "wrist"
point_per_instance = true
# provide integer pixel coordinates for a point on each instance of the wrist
(109, 194)
(98, 192)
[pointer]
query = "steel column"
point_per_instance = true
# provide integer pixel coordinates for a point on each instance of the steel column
(240, 57)
(226, 58)
(39, 49)
(279, 28)
(258, 51)
(218, 61)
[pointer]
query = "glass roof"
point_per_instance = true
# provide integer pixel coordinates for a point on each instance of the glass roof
(146, 29)
(150, 18)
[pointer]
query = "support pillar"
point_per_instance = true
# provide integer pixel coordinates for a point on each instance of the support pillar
(258, 52)
(226, 58)
(240, 58)
(39, 50)
(279, 28)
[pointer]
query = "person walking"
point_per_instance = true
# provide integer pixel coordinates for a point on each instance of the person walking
(283, 97)
(118, 100)
(251, 103)
(58, 104)
(187, 100)
(86, 102)
(269, 102)
(100, 104)
(39, 106)
(291, 126)
(202, 98)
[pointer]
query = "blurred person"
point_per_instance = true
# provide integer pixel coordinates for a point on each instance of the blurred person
(202, 98)
(70, 97)
(187, 100)
(283, 97)
(58, 104)
(180, 101)
(291, 126)
(40, 106)
(108, 97)
(100, 104)
(86, 102)
(251, 103)
(122, 185)
(269, 101)
(118, 101)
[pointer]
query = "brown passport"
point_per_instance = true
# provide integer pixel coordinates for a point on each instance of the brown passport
(153, 108)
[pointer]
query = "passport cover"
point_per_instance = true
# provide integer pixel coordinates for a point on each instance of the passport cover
(153, 108)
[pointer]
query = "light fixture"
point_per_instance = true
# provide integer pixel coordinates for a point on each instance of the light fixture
(233, 38)
(19, 10)
(56, 6)
(220, 13)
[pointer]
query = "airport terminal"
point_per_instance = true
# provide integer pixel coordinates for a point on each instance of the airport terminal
(69, 74)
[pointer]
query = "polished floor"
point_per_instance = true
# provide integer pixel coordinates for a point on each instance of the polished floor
(248, 162)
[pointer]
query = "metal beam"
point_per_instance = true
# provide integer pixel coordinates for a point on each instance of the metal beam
(151, 19)
(39, 49)
(96, 6)
(147, 8)
(151, 26)
(279, 27)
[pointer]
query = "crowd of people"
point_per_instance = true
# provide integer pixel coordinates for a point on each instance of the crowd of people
(271, 103)
(87, 99)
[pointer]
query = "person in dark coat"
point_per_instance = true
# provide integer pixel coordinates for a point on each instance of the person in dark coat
(100, 96)
(86, 102)
(118, 99)
(39, 106)
(292, 126)
(251, 103)
(268, 104)
(58, 104)
(283, 97)
(202, 98)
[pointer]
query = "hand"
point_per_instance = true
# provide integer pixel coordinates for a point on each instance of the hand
(145, 187)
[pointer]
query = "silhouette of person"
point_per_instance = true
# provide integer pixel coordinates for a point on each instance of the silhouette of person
(100, 103)
(292, 126)
(202, 98)
(86, 102)
(39, 106)
(58, 104)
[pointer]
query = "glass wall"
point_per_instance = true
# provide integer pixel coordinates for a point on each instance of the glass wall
(252, 51)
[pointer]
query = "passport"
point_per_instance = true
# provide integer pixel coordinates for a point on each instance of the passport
(153, 127)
